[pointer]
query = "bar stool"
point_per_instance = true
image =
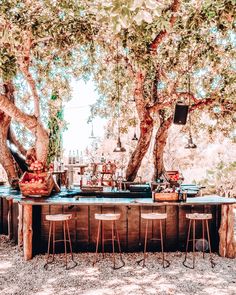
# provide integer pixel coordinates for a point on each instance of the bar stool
(151, 217)
(52, 223)
(193, 218)
(108, 217)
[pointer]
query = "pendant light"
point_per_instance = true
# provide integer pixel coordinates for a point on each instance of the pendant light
(190, 144)
(135, 136)
(119, 148)
(92, 133)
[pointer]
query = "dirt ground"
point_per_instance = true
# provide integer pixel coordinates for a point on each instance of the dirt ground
(20, 277)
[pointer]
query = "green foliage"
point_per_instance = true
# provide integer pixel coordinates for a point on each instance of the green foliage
(221, 178)
(201, 44)
(7, 65)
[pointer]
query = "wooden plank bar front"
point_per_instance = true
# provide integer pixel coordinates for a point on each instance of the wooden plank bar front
(83, 227)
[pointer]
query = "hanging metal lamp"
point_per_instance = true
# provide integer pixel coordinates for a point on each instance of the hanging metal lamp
(119, 147)
(135, 136)
(92, 133)
(190, 144)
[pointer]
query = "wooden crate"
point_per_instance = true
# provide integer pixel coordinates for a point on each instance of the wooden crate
(36, 189)
(158, 197)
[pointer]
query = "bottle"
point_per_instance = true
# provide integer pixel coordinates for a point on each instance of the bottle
(55, 165)
(77, 157)
(81, 159)
(103, 159)
(73, 158)
(108, 167)
(62, 166)
(70, 158)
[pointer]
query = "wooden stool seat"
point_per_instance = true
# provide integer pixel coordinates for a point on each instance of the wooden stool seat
(153, 216)
(107, 216)
(58, 217)
(199, 216)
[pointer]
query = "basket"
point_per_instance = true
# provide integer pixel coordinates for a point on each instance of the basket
(41, 187)
(159, 197)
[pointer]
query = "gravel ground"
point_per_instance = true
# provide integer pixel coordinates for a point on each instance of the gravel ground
(20, 277)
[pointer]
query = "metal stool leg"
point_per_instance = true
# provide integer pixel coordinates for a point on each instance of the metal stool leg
(203, 239)
(49, 242)
(103, 254)
(209, 242)
(119, 247)
(194, 236)
(187, 243)
(113, 244)
(98, 233)
(69, 239)
(145, 244)
(162, 249)
(53, 240)
(64, 235)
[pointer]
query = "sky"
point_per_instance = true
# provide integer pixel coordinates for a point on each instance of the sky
(76, 113)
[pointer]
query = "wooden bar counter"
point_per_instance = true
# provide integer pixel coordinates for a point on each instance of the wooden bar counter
(83, 227)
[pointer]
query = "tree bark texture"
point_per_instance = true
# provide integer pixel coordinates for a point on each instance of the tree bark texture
(31, 123)
(6, 159)
(227, 246)
(159, 146)
(27, 232)
(20, 226)
(146, 130)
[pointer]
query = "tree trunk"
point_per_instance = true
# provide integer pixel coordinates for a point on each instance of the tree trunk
(6, 159)
(146, 130)
(27, 231)
(227, 246)
(31, 123)
(159, 146)
(41, 143)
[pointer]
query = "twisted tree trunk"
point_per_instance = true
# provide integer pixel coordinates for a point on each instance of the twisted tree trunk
(31, 123)
(146, 130)
(159, 146)
(6, 159)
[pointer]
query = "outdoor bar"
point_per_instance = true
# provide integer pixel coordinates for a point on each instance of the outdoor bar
(117, 147)
(24, 219)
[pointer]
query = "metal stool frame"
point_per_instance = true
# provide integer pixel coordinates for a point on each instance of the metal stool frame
(114, 237)
(52, 233)
(145, 255)
(193, 240)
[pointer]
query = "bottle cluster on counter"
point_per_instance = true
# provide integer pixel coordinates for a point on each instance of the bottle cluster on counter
(75, 157)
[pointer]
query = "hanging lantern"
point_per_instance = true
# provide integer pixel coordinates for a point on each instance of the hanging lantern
(135, 137)
(119, 147)
(190, 144)
(92, 133)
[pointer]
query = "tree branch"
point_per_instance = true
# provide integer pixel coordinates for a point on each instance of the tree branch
(13, 139)
(32, 85)
(9, 108)
(24, 63)
(158, 39)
